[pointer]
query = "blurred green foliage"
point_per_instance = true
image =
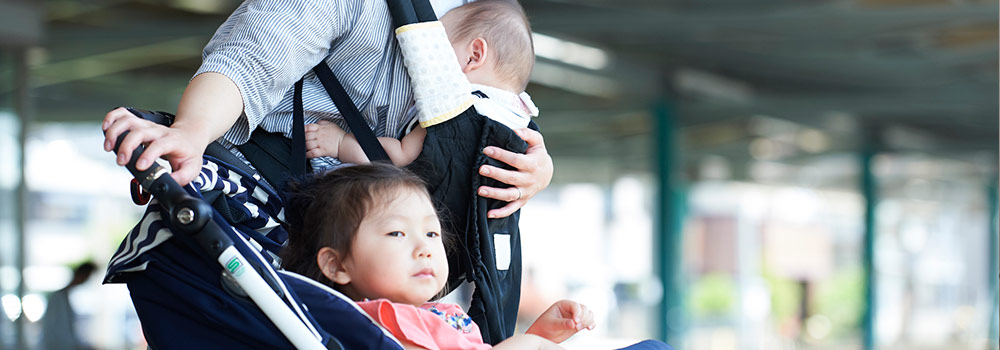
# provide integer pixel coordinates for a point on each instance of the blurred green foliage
(713, 295)
(841, 298)
(785, 295)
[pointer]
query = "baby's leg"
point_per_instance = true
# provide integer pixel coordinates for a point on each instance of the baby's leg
(400, 152)
(326, 139)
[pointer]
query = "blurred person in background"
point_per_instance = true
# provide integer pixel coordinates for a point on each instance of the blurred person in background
(59, 322)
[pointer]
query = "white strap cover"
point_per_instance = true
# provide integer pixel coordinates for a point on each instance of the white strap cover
(440, 89)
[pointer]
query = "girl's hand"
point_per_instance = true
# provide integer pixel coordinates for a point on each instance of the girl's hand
(184, 149)
(534, 172)
(562, 320)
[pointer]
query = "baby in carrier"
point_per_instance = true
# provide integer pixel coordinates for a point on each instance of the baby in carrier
(492, 40)
(371, 232)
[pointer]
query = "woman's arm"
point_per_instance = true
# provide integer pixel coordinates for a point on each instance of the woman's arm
(210, 105)
(246, 71)
(534, 172)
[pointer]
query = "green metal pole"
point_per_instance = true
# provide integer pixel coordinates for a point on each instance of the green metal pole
(994, 274)
(869, 189)
(670, 205)
(22, 106)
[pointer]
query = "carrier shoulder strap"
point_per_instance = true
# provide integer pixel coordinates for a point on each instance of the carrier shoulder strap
(298, 167)
(277, 159)
(366, 138)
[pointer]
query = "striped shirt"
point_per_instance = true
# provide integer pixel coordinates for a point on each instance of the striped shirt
(265, 46)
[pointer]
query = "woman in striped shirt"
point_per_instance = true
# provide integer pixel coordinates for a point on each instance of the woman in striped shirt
(262, 49)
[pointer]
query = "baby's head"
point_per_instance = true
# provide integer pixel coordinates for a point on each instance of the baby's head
(369, 231)
(492, 39)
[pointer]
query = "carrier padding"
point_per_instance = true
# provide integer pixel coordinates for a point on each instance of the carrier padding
(440, 89)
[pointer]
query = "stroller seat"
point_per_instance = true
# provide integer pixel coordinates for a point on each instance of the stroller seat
(185, 303)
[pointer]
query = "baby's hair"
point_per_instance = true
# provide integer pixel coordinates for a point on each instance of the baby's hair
(326, 210)
(506, 29)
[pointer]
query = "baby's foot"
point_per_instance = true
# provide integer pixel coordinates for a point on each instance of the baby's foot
(323, 139)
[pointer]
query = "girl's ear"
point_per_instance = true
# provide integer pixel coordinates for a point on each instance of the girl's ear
(479, 52)
(331, 264)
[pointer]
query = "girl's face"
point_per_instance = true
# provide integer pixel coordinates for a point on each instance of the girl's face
(398, 253)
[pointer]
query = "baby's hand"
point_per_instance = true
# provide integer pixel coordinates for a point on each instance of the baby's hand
(562, 320)
(323, 139)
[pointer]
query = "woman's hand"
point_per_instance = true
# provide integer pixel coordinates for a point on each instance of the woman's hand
(534, 172)
(181, 147)
(210, 105)
(562, 320)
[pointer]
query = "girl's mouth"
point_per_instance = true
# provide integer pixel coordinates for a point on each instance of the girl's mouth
(426, 272)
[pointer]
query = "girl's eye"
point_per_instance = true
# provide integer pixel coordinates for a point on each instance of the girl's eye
(395, 234)
(433, 234)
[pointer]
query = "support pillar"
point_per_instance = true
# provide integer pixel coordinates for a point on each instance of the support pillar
(994, 274)
(669, 217)
(869, 190)
(22, 109)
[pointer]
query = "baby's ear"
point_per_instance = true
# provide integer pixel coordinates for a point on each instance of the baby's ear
(479, 52)
(331, 264)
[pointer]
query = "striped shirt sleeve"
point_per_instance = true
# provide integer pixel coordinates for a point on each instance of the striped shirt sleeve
(266, 46)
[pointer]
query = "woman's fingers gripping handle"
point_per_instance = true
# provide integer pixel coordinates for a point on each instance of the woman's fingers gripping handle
(124, 133)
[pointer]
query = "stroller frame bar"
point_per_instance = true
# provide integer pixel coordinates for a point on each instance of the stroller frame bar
(261, 293)
(194, 217)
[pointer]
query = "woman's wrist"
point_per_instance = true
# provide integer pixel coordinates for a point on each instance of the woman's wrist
(199, 135)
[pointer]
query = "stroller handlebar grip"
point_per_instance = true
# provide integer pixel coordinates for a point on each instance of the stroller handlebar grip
(145, 177)
(167, 191)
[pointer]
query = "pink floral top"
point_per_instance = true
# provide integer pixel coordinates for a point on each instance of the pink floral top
(432, 325)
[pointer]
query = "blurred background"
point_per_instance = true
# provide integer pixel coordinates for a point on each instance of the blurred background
(766, 174)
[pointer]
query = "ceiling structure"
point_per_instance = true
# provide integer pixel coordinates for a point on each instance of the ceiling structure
(777, 81)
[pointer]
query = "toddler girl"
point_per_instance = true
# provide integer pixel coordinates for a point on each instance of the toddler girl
(371, 232)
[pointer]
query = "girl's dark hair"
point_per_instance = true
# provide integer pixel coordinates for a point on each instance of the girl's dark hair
(326, 210)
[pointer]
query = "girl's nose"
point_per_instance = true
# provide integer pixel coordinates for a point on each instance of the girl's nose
(422, 249)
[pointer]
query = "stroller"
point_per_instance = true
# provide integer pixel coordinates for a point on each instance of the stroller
(233, 216)
(202, 265)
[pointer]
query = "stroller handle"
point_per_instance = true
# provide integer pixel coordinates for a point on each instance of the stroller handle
(146, 177)
(193, 217)
(187, 213)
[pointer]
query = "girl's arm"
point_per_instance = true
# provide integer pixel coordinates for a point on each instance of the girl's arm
(516, 342)
(527, 341)
(562, 320)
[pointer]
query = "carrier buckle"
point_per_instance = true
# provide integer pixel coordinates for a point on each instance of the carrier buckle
(139, 195)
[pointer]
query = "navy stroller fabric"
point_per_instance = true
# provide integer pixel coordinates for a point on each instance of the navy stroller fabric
(338, 315)
(449, 162)
(178, 292)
